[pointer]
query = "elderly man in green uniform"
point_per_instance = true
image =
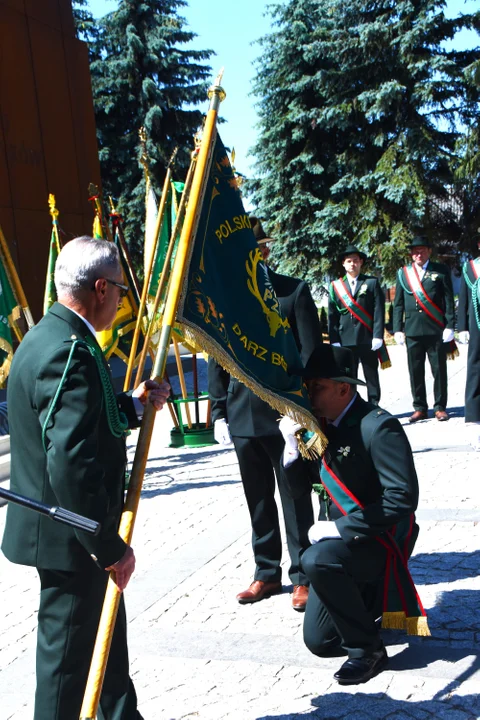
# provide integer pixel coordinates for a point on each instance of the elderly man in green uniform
(424, 318)
(67, 430)
(356, 318)
(368, 495)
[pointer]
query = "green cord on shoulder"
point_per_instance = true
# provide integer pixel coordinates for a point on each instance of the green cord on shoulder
(117, 421)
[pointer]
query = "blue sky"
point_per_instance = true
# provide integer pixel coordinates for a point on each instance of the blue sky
(229, 27)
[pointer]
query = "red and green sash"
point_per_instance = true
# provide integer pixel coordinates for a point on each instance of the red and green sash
(357, 311)
(402, 607)
(428, 306)
(475, 265)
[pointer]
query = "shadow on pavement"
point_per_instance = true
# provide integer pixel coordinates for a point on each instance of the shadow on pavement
(362, 706)
(168, 486)
(435, 568)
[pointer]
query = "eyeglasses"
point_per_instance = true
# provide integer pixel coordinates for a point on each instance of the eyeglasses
(124, 289)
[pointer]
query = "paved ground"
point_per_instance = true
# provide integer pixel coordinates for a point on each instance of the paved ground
(197, 654)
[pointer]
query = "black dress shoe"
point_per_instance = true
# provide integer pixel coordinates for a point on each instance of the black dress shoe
(358, 670)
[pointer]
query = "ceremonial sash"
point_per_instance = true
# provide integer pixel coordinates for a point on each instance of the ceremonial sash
(475, 265)
(402, 607)
(433, 311)
(357, 311)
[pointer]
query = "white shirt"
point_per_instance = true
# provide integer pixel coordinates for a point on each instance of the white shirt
(353, 284)
(422, 272)
(344, 412)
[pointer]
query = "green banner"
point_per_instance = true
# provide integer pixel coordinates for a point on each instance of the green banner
(50, 295)
(228, 305)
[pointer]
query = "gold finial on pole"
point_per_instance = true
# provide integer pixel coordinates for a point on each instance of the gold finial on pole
(216, 91)
(52, 205)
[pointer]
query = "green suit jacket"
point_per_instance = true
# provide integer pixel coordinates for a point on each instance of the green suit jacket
(343, 327)
(83, 469)
(410, 318)
(370, 453)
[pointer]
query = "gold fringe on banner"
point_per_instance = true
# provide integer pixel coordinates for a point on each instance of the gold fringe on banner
(394, 620)
(385, 365)
(453, 355)
(418, 626)
(197, 337)
(5, 367)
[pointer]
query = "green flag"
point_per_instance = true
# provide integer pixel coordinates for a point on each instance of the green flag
(50, 292)
(9, 312)
(228, 305)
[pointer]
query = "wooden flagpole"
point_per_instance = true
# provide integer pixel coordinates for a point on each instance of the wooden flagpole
(148, 273)
(15, 280)
(112, 596)
(165, 274)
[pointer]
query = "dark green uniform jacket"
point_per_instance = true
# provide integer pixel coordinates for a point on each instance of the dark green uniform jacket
(345, 329)
(410, 318)
(83, 469)
(370, 453)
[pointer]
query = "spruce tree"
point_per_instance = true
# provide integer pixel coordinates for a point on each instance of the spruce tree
(145, 76)
(364, 116)
(85, 24)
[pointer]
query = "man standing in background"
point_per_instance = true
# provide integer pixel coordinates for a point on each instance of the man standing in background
(356, 318)
(424, 318)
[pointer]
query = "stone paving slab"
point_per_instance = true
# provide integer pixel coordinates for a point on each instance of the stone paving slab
(195, 653)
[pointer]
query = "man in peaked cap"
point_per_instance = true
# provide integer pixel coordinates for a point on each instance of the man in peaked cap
(356, 318)
(424, 319)
(367, 486)
(242, 417)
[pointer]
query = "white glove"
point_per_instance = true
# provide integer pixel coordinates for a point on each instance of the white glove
(448, 335)
(336, 345)
(399, 338)
(376, 344)
(288, 428)
(464, 337)
(221, 433)
(323, 530)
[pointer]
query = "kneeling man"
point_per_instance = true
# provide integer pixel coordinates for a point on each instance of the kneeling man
(368, 494)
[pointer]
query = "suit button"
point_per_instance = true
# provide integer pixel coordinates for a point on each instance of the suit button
(356, 537)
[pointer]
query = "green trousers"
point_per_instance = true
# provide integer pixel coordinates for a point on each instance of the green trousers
(70, 607)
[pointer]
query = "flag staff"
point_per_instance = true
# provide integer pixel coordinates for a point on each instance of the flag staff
(166, 266)
(112, 596)
(15, 280)
(148, 273)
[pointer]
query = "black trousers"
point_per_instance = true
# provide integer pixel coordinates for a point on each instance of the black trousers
(258, 458)
(417, 349)
(344, 587)
(70, 607)
(472, 388)
(369, 360)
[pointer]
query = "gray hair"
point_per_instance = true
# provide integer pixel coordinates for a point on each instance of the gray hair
(82, 261)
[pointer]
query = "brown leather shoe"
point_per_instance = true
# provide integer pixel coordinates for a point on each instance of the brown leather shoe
(418, 415)
(299, 597)
(258, 590)
(442, 415)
